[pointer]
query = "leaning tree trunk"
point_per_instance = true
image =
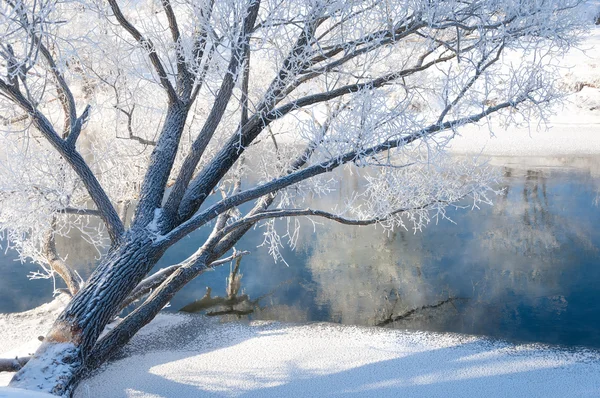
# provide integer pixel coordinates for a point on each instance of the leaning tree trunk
(66, 348)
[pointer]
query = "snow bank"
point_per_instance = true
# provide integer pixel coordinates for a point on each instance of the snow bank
(189, 356)
(17, 393)
(19, 332)
(573, 130)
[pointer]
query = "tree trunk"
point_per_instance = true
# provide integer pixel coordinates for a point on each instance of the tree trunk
(67, 346)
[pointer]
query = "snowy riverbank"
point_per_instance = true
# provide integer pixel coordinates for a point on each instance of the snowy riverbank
(573, 129)
(188, 356)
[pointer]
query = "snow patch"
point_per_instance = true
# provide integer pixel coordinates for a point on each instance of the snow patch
(188, 356)
(20, 331)
(53, 363)
(153, 226)
(6, 392)
(204, 357)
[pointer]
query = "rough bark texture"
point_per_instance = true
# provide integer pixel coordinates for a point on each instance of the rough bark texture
(161, 162)
(77, 329)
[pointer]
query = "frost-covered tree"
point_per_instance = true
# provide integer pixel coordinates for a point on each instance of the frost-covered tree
(182, 111)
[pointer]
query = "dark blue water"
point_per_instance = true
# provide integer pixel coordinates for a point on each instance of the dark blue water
(526, 269)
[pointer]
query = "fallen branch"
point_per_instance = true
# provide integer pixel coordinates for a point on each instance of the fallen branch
(207, 302)
(13, 365)
(230, 312)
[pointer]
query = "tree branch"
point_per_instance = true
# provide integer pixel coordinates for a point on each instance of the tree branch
(163, 156)
(205, 181)
(205, 216)
(238, 57)
(57, 264)
(13, 365)
(64, 92)
(308, 100)
(77, 126)
(223, 161)
(199, 48)
(147, 44)
(72, 124)
(184, 82)
(80, 212)
(207, 302)
(155, 280)
(132, 135)
(69, 153)
(6, 121)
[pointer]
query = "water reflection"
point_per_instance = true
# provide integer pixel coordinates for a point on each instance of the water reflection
(528, 265)
(527, 268)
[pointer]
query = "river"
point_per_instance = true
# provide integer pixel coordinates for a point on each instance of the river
(525, 269)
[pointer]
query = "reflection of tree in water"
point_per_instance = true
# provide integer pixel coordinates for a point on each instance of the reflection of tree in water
(530, 236)
(535, 230)
(532, 245)
(363, 275)
(515, 261)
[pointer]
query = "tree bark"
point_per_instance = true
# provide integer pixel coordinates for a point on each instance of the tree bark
(72, 337)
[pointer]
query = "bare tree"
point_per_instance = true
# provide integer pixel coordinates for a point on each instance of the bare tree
(187, 110)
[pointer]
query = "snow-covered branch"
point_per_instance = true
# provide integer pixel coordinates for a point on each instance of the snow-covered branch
(210, 213)
(147, 44)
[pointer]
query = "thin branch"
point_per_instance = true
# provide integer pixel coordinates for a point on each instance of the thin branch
(280, 213)
(480, 68)
(199, 48)
(57, 264)
(7, 121)
(69, 153)
(80, 212)
(149, 46)
(155, 280)
(77, 126)
(244, 97)
(389, 78)
(132, 135)
(64, 92)
(124, 209)
(184, 81)
(210, 213)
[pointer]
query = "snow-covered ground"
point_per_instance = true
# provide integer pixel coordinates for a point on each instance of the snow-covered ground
(19, 334)
(189, 356)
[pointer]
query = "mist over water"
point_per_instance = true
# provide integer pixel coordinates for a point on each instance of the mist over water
(526, 269)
